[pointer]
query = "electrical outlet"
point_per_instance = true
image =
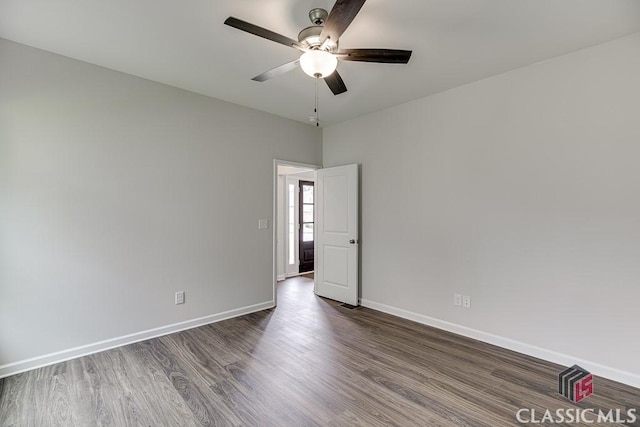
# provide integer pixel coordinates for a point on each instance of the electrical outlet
(180, 297)
(457, 300)
(466, 301)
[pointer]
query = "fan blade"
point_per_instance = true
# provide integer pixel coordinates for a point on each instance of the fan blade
(387, 56)
(339, 18)
(262, 32)
(335, 83)
(275, 72)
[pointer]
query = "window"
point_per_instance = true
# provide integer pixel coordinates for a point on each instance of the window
(307, 213)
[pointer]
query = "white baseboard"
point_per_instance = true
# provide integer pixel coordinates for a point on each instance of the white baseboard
(520, 347)
(280, 277)
(72, 353)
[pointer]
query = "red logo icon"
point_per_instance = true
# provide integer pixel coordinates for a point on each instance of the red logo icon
(575, 383)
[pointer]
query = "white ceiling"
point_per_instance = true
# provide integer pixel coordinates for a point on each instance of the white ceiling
(185, 44)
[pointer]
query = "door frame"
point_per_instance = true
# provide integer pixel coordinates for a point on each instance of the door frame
(276, 163)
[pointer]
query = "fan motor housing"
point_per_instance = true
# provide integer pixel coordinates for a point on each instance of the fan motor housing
(310, 36)
(310, 39)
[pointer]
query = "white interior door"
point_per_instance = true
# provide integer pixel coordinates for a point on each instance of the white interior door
(337, 233)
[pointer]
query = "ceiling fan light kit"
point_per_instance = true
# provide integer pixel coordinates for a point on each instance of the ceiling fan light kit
(319, 43)
(318, 63)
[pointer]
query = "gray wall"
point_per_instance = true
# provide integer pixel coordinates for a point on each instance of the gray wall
(115, 192)
(522, 191)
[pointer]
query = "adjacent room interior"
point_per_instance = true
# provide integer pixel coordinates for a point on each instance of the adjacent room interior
(165, 211)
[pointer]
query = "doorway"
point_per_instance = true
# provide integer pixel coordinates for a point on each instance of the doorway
(334, 231)
(294, 220)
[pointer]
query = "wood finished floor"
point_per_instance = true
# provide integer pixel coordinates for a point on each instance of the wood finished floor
(307, 362)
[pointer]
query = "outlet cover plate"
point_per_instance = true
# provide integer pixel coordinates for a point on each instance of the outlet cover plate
(466, 301)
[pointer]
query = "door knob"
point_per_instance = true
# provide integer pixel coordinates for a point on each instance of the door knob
(353, 242)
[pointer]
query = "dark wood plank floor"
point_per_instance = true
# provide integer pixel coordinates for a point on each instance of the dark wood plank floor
(307, 362)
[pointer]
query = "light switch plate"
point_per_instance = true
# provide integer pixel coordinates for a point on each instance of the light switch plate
(457, 300)
(263, 224)
(180, 297)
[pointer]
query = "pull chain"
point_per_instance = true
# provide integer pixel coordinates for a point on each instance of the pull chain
(316, 107)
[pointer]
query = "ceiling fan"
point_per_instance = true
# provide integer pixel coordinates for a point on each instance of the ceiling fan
(319, 44)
